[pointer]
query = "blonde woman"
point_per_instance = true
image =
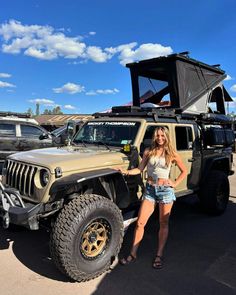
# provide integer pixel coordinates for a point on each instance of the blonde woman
(159, 190)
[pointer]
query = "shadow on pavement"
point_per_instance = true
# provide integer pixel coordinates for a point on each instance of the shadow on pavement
(32, 249)
(200, 256)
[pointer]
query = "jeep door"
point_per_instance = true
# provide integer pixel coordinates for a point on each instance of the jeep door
(185, 139)
(146, 143)
(187, 144)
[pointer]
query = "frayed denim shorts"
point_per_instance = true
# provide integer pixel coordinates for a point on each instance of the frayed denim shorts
(159, 193)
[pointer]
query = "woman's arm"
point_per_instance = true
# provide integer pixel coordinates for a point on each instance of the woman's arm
(141, 166)
(182, 168)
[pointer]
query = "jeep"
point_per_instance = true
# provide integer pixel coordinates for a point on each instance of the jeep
(79, 188)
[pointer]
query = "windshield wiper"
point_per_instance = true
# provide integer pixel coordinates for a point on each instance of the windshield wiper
(103, 143)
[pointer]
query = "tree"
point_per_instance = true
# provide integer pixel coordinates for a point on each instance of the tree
(30, 111)
(47, 112)
(37, 109)
(57, 111)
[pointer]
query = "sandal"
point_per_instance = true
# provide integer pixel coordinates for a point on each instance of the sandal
(158, 262)
(125, 261)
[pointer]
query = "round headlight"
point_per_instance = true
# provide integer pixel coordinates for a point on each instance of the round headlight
(44, 177)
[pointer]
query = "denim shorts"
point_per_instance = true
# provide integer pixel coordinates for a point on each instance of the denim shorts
(159, 193)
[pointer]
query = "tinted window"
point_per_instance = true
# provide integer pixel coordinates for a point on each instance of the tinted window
(147, 140)
(7, 130)
(32, 131)
(154, 90)
(149, 132)
(184, 138)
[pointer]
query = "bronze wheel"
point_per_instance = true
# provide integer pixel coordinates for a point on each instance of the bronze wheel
(95, 238)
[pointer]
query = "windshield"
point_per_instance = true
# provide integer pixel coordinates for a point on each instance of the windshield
(153, 91)
(108, 133)
(58, 131)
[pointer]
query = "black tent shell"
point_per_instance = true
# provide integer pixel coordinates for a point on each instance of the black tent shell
(188, 79)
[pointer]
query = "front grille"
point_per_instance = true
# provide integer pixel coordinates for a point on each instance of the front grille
(21, 177)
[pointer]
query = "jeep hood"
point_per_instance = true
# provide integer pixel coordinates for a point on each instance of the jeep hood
(71, 158)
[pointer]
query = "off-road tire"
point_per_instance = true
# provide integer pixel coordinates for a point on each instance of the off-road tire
(86, 237)
(214, 193)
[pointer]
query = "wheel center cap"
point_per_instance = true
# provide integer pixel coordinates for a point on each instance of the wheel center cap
(92, 237)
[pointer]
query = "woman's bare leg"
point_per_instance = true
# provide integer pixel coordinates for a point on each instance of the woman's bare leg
(146, 210)
(164, 214)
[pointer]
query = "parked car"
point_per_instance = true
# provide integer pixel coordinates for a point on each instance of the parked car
(19, 132)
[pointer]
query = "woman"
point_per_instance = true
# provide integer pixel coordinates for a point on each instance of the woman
(159, 189)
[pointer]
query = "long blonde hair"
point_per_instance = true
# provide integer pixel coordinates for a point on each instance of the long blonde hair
(169, 150)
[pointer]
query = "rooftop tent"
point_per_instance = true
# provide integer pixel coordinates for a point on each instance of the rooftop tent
(186, 81)
(195, 79)
(227, 97)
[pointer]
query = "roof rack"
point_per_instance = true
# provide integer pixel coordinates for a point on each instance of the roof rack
(12, 114)
(155, 113)
(134, 111)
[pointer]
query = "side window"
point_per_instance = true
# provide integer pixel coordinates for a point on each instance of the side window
(7, 129)
(147, 140)
(184, 138)
(31, 131)
(148, 134)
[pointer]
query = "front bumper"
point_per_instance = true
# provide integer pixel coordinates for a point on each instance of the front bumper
(14, 211)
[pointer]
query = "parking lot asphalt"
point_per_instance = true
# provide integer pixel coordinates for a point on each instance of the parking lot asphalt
(200, 258)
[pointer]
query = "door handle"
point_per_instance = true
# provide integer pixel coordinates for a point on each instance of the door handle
(191, 160)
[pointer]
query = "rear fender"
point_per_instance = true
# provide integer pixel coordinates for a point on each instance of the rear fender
(221, 164)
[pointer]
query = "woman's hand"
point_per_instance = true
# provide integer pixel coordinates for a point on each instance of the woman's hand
(123, 171)
(171, 183)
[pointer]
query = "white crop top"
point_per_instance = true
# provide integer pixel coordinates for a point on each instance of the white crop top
(156, 168)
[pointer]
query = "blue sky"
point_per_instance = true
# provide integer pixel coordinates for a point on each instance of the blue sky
(73, 53)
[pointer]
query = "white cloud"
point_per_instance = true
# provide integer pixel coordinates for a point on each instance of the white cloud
(6, 85)
(228, 77)
(233, 88)
(42, 42)
(91, 92)
(102, 91)
(69, 107)
(97, 54)
(77, 62)
(70, 88)
(47, 43)
(107, 91)
(5, 75)
(43, 101)
(145, 51)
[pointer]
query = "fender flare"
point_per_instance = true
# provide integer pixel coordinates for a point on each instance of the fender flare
(73, 183)
(216, 162)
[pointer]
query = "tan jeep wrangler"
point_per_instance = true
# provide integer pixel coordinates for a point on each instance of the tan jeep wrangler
(90, 202)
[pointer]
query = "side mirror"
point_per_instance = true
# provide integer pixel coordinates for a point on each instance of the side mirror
(43, 136)
(70, 130)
